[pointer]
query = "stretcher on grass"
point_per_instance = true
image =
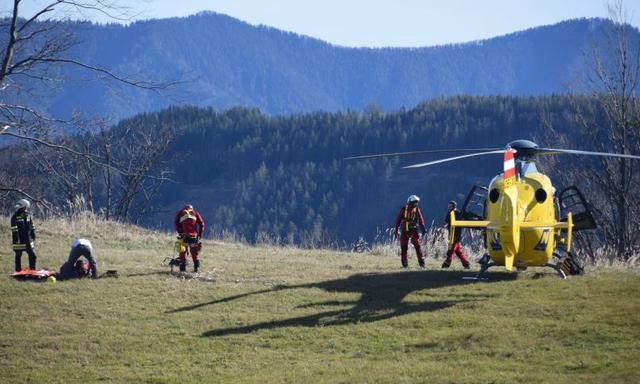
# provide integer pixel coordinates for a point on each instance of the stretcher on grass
(33, 274)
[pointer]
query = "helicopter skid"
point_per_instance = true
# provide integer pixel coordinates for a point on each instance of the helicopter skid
(475, 278)
(486, 265)
(559, 270)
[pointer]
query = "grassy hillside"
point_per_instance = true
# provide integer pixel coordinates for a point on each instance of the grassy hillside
(264, 314)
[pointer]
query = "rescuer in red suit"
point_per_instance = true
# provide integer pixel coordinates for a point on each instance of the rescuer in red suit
(190, 227)
(409, 221)
(455, 247)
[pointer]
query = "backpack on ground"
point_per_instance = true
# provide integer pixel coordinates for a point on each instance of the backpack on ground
(571, 267)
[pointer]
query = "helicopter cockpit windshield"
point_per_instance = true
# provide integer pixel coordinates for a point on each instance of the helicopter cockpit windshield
(524, 167)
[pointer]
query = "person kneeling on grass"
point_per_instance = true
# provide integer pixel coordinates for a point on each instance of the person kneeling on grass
(75, 267)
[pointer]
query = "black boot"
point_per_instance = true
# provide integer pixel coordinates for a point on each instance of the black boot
(445, 265)
(32, 259)
(183, 267)
(421, 262)
(196, 265)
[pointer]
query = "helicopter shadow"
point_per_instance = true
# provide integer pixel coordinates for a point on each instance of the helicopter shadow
(151, 273)
(381, 297)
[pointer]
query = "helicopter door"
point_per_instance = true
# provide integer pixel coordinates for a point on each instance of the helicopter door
(572, 200)
(475, 203)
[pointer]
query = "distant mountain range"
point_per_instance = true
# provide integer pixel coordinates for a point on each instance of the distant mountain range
(223, 62)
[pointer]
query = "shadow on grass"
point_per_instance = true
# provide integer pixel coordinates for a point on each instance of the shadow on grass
(160, 273)
(204, 277)
(382, 296)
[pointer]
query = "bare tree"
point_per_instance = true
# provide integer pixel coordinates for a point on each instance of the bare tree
(121, 188)
(34, 51)
(139, 151)
(608, 114)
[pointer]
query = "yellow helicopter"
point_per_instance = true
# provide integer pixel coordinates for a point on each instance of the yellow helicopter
(524, 221)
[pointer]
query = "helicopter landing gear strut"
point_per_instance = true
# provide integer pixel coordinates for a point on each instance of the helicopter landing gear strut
(558, 266)
(485, 263)
(559, 270)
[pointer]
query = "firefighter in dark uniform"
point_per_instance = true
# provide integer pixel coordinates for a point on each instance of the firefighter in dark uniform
(455, 247)
(23, 234)
(409, 221)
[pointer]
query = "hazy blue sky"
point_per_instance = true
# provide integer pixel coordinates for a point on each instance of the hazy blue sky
(376, 23)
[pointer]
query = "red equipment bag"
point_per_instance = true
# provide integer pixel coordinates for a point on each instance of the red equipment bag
(33, 274)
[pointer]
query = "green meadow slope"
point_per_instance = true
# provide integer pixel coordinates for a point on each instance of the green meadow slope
(269, 314)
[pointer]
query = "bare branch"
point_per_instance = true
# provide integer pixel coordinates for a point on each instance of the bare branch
(44, 10)
(36, 33)
(34, 113)
(27, 195)
(46, 143)
(34, 49)
(11, 43)
(138, 84)
(100, 7)
(88, 156)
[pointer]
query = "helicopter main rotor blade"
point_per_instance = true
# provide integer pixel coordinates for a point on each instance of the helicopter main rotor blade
(554, 151)
(420, 152)
(420, 165)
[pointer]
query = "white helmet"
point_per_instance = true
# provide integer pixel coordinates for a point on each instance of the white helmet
(413, 199)
(23, 203)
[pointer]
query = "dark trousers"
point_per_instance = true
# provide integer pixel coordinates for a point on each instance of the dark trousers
(32, 258)
(404, 246)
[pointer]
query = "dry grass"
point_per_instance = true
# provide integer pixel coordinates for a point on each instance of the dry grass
(282, 314)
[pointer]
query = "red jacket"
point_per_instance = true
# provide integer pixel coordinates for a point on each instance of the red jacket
(411, 219)
(189, 222)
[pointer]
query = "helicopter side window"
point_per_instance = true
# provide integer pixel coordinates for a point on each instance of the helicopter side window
(493, 195)
(541, 195)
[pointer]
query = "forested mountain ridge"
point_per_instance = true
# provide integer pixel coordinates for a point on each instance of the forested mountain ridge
(285, 176)
(223, 62)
